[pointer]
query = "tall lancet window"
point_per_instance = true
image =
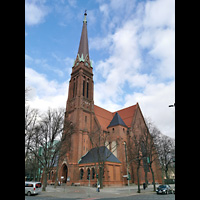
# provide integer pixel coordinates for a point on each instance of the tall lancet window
(87, 91)
(83, 87)
(74, 88)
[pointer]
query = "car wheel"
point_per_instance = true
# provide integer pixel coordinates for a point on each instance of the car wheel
(29, 193)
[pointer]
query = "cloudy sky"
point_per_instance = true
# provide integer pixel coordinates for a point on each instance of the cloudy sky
(132, 48)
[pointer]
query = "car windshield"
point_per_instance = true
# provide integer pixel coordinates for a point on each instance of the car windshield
(162, 186)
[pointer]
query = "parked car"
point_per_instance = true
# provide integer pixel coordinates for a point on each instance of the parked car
(164, 189)
(32, 188)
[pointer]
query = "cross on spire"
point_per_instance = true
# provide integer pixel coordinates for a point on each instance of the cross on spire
(85, 20)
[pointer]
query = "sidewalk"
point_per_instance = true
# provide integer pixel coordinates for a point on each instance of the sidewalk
(83, 192)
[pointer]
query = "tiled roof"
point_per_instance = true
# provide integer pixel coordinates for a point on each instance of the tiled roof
(102, 153)
(105, 117)
(127, 114)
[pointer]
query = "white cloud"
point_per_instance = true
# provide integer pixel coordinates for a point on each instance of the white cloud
(43, 93)
(35, 11)
(154, 102)
(159, 13)
(141, 55)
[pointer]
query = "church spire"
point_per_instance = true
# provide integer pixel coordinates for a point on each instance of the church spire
(83, 45)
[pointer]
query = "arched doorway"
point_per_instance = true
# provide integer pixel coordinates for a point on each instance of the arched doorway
(64, 173)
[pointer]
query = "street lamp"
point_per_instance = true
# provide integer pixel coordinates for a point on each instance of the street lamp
(127, 165)
(172, 105)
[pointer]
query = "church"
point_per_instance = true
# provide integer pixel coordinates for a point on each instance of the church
(100, 143)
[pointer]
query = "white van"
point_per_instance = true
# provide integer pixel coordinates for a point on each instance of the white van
(33, 188)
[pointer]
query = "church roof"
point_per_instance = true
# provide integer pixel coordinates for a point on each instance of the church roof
(102, 153)
(105, 117)
(83, 45)
(117, 120)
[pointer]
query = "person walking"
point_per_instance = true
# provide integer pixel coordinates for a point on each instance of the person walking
(98, 187)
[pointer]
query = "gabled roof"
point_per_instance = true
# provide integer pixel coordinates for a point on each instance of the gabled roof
(102, 153)
(105, 117)
(117, 120)
(127, 114)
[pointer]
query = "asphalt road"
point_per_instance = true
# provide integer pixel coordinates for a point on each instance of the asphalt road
(133, 197)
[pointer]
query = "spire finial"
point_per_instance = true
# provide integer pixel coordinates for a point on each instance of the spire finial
(85, 20)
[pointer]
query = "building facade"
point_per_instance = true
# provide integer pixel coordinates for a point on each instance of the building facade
(97, 128)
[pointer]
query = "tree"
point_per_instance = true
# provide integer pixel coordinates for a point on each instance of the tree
(135, 154)
(151, 135)
(31, 119)
(165, 148)
(48, 137)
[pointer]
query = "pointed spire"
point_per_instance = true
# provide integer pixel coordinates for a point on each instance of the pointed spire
(83, 45)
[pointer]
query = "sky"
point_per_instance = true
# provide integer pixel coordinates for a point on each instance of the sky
(131, 45)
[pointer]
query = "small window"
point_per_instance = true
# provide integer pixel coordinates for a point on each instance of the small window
(113, 130)
(28, 185)
(38, 185)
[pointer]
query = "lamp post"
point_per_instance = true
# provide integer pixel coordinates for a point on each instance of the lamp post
(172, 105)
(127, 165)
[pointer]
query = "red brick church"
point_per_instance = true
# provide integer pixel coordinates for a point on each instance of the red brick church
(101, 135)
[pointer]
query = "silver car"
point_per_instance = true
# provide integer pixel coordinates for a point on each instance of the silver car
(32, 188)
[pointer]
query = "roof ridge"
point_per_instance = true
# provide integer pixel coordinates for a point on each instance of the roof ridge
(124, 108)
(103, 109)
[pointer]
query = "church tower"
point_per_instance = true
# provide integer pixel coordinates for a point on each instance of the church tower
(80, 103)
(92, 120)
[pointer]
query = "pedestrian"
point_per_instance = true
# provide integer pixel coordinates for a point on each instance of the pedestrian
(98, 187)
(144, 186)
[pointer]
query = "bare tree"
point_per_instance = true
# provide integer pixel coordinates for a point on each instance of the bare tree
(31, 119)
(162, 149)
(165, 148)
(48, 136)
(135, 154)
(150, 137)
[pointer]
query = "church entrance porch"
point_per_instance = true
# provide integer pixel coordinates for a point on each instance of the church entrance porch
(64, 173)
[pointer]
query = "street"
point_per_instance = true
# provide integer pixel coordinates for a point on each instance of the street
(132, 197)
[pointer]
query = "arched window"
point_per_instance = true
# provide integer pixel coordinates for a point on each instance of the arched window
(83, 87)
(93, 173)
(81, 174)
(88, 173)
(74, 87)
(87, 91)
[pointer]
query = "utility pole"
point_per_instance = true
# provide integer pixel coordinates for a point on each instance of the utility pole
(127, 166)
